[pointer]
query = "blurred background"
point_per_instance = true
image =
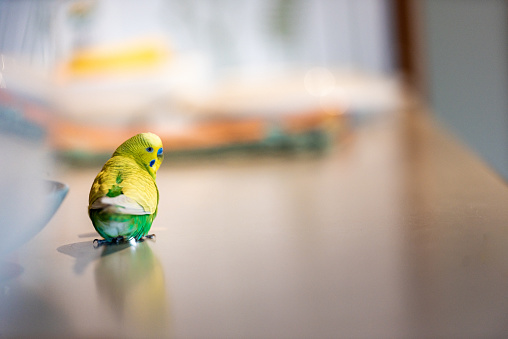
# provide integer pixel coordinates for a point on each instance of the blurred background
(222, 75)
(208, 77)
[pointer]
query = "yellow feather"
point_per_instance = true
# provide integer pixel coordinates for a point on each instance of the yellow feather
(136, 182)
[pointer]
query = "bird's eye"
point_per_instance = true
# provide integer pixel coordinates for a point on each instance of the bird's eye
(152, 163)
(149, 149)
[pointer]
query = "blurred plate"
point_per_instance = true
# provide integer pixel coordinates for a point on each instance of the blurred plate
(57, 192)
(14, 237)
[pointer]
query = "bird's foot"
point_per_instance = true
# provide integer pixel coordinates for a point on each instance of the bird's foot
(118, 239)
(148, 236)
(100, 242)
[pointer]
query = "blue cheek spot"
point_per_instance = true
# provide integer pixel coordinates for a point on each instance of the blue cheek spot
(159, 152)
(152, 163)
(149, 149)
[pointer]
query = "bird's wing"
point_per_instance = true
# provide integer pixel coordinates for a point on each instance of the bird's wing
(123, 176)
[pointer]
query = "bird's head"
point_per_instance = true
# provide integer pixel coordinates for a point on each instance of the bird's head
(145, 148)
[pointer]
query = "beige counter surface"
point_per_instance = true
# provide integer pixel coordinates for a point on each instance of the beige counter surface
(398, 232)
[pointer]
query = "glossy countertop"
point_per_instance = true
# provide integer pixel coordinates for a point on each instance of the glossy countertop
(398, 231)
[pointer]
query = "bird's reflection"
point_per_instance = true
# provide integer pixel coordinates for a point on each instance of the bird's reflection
(130, 279)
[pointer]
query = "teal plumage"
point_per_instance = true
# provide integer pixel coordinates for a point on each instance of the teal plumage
(130, 226)
(124, 198)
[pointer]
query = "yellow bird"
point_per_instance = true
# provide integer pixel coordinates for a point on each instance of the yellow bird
(124, 198)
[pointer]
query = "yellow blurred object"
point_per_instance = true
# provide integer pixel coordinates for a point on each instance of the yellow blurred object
(120, 58)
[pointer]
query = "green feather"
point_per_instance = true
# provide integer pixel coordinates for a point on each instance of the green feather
(126, 225)
(114, 191)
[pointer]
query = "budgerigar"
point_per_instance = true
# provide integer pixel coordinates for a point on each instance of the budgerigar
(124, 197)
